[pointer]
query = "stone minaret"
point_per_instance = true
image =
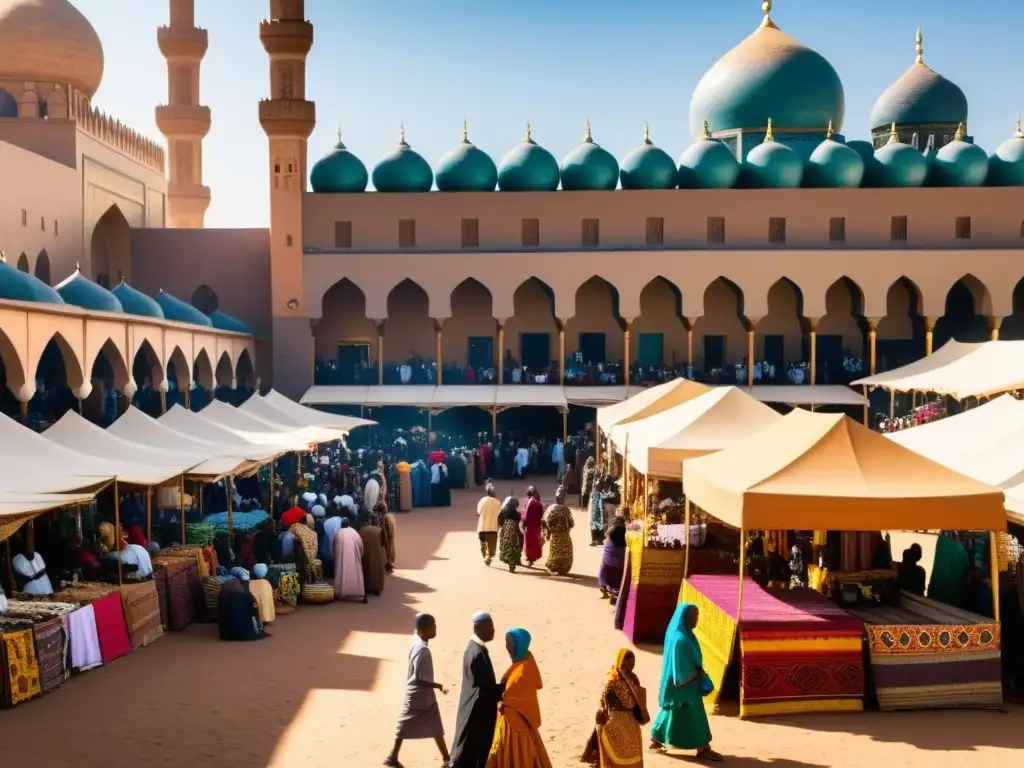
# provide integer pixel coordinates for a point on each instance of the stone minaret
(288, 119)
(183, 121)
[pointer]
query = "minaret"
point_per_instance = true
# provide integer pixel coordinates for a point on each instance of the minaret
(288, 119)
(183, 121)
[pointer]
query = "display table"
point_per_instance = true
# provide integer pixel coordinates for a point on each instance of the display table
(927, 655)
(798, 652)
(650, 588)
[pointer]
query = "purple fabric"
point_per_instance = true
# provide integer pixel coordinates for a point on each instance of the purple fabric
(624, 594)
(612, 562)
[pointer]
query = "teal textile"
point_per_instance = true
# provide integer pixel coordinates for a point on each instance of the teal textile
(521, 642)
(682, 722)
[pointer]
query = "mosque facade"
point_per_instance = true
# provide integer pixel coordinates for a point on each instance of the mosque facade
(777, 235)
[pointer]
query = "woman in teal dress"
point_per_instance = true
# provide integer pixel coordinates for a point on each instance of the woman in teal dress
(682, 722)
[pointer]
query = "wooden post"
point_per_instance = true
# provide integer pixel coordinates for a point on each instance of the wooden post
(117, 531)
(494, 422)
(892, 404)
(994, 324)
(867, 406)
(597, 448)
(181, 509)
(872, 347)
(430, 424)
(272, 489)
(565, 426)
(626, 351)
(813, 342)
(231, 505)
(438, 353)
(149, 513)
(750, 351)
(686, 555)
(163, 402)
(561, 352)
(994, 572)
(188, 399)
(199, 493)
(929, 335)
(743, 569)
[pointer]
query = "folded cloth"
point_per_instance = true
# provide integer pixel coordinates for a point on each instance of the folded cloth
(85, 640)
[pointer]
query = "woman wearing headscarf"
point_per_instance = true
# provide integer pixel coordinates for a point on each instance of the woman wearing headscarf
(348, 565)
(517, 742)
(510, 540)
(613, 560)
(374, 557)
(596, 509)
(238, 616)
(557, 527)
(533, 520)
(617, 739)
(682, 722)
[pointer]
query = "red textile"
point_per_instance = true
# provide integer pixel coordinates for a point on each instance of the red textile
(533, 543)
(136, 535)
(111, 627)
(293, 516)
(437, 456)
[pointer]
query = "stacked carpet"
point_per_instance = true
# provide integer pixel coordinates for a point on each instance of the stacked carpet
(650, 596)
(51, 638)
(798, 652)
(179, 588)
(19, 668)
(925, 654)
(142, 613)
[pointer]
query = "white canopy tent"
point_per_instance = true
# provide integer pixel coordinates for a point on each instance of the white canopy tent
(228, 416)
(190, 424)
(136, 427)
(310, 417)
(17, 508)
(261, 407)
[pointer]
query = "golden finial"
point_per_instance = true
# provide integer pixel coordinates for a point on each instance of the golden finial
(78, 268)
(529, 132)
(961, 132)
(769, 134)
(588, 138)
(401, 133)
(766, 9)
(894, 135)
(647, 133)
(707, 131)
(465, 131)
(1020, 128)
(339, 134)
(920, 46)
(828, 131)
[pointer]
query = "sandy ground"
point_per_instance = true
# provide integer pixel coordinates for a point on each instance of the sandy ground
(323, 692)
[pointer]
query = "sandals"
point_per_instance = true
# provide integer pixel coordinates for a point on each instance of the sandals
(392, 762)
(709, 755)
(657, 747)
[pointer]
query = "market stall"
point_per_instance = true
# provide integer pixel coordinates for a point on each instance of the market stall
(803, 473)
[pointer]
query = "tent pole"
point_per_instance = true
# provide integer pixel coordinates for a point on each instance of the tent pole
(199, 493)
(494, 422)
(231, 504)
(149, 513)
(686, 538)
(892, 404)
(181, 510)
(10, 565)
(597, 447)
(272, 477)
(565, 426)
(117, 531)
(743, 568)
(994, 570)
(867, 407)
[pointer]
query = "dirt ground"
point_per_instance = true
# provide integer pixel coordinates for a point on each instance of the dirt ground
(324, 691)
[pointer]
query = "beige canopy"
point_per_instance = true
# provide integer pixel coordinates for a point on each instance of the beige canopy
(258, 406)
(649, 402)
(224, 415)
(960, 370)
(710, 422)
(188, 423)
(309, 417)
(17, 508)
(137, 428)
(813, 471)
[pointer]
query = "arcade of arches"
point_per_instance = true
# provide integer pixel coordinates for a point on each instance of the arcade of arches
(663, 335)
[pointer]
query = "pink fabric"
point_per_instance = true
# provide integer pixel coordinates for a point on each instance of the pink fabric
(348, 565)
(111, 627)
(533, 542)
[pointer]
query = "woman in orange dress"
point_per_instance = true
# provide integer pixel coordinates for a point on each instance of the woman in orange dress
(517, 742)
(617, 739)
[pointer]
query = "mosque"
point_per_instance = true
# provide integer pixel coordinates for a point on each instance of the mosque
(774, 237)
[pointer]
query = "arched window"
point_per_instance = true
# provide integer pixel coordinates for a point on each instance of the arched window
(43, 266)
(23, 264)
(205, 299)
(8, 104)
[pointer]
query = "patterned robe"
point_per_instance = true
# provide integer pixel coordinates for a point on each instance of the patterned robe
(557, 526)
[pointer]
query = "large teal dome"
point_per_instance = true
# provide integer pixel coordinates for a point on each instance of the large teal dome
(921, 96)
(1006, 166)
(589, 166)
(708, 164)
(404, 170)
(834, 165)
(960, 163)
(80, 291)
(222, 321)
(648, 167)
(136, 302)
(769, 74)
(466, 168)
(773, 165)
(180, 312)
(900, 165)
(339, 171)
(528, 167)
(16, 285)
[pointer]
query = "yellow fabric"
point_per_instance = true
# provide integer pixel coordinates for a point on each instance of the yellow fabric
(820, 539)
(767, 709)
(808, 645)
(620, 741)
(516, 744)
(808, 467)
(716, 633)
(264, 594)
(22, 666)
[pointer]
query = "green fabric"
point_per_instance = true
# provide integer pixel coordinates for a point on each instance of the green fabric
(951, 563)
(682, 722)
(685, 724)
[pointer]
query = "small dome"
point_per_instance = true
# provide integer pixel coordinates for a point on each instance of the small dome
(404, 170)
(16, 285)
(900, 165)
(136, 302)
(773, 165)
(1006, 166)
(833, 165)
(769, 74)
(339, 171)
(528, 167)
(180, 312)
(648, 167)
(960, 163)
(466, 168)
(222, 321)
(79, 291)
(866, 150)
(49, 41)
(708, 164)
(921, 96)
(589, 166)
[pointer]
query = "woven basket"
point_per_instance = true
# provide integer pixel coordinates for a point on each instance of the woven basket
(317, 594)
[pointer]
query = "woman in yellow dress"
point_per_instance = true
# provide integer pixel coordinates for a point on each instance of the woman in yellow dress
(517, 742)
(617, 739)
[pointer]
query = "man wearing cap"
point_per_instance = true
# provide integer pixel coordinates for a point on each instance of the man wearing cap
(478, 699)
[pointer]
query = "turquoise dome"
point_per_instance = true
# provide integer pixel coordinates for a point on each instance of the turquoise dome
(222, 321)
(339, 171)
(773, 165)
(769, 74)
(21, 286)
(528, 167)
(180, 312)
(900, 165)
(648, 167)
(404, 170)
(466, 168)
(708, 164)
(921, 96)
(136, 302)
(589, 166)
(1006, 166)
(960, 163)
(834, 165)
(866, 150)
(79, 291)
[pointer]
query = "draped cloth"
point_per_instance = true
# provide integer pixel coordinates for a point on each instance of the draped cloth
(85, 641)
(111, 627)
(390, 532)
(19, 674)
(533, 542)
(682, 721)
(478, 708)
(517, 742)
(374, 559)
(348, 566)
(264, 595)
(618, 740)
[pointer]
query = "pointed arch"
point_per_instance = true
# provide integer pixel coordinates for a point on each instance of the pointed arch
(13, 368)
(720, 334)
(900, 333)
(345, 338)
(468, 334)
(109, 366)
(42, 270)
(245, 372)
(779, 335)
(111, 248)
(178, 370)
(23, 264)
(8, 104)
(410, 330)
(593, 334)
(224, 375)
(659, 329)
(146, 368)
(844, 317)
(59, 364)
(203, 371)
(531, 334)
(965, 316)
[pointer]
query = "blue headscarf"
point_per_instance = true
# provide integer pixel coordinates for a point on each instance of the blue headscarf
(520, 643)
(680, 659)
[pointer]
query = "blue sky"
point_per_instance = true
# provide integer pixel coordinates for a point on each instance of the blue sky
(435, 62)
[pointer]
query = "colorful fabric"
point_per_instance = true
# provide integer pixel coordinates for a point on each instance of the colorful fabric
(241, 522)
(20, 677)
(558, 524)
(307, 558)
(682, 722)
(533, 518)
(289, 587)
(613, 560)
(199, 534)
(142, 612)
(178, 581)
(510, 544)
(51, 639)
(85, 641)
(111, 627)
(618, 740)
(517, 742)
(211, 596)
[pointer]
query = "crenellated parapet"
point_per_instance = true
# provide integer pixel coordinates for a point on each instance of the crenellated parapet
(116, 134)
